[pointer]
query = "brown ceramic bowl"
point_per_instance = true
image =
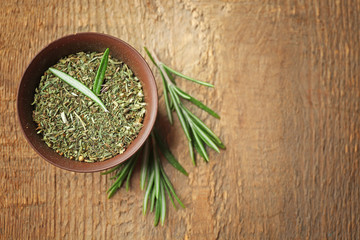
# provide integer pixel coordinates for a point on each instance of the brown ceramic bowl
(49, 56)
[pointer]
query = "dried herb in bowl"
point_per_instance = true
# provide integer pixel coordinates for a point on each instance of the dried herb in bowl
(89, 125)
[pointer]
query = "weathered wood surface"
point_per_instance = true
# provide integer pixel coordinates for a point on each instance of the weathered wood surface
(287, 89)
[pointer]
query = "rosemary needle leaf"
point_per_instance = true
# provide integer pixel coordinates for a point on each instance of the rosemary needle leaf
(113, 186)
(192, 155)
(157, 212)
(168, 192)
(168, 155)
(220, 144)
(204, 107)
(125, 172)
(174, 95)
(181, 117)
(200, 145)
(195, 135)
(157, 173)
(79, 86)
(112, 192)
(113, 189)
(113, 177)
(120, 178)
(151, 58)
(99, 79)
(128, 177)
(176, 197)
(200, 132)
(111, 170)
(172, 108)
(171, 104)
(152, 204)
(186, 77)
(205, 138)
(171, 77)
(182, 93)
(163, 204)
(166, 97)
(148, 191)
(131, 171)
(202, 125)
(172, 190)
(197, 148)
(144, 165)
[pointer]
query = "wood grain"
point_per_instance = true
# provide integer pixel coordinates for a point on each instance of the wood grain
(288, 92)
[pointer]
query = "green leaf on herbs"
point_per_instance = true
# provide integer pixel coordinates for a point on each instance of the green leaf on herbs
(186, 77)
(168, 155)
(100, 75)
(79, 86)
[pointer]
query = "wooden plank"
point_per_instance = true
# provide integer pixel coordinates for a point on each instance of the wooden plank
(286, 86)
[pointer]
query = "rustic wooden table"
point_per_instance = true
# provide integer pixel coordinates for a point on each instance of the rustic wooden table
(288, 92)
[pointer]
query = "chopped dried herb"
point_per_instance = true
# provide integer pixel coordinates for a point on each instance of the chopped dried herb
(73, 125)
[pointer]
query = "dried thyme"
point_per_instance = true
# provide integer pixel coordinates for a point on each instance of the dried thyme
(73, 125)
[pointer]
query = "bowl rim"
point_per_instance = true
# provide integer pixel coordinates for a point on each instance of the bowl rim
(140, 139)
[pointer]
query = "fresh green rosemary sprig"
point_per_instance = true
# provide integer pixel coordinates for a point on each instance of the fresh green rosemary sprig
(123, 172)
(197, 133)
(153, 178)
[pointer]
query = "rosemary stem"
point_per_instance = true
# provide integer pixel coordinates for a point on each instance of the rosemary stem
(162, 69)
